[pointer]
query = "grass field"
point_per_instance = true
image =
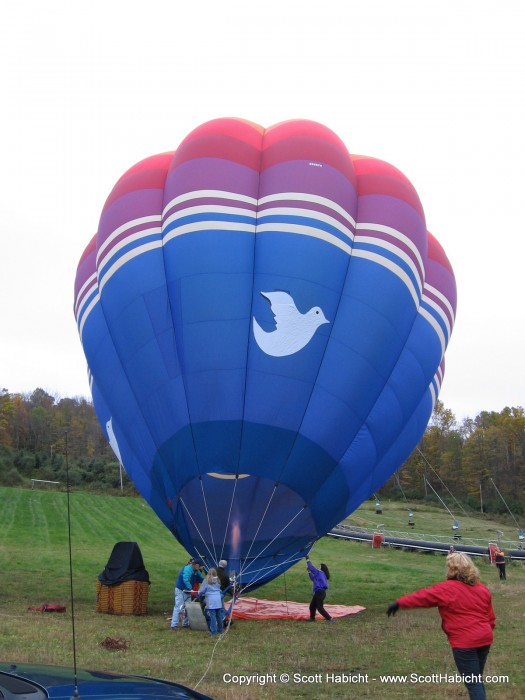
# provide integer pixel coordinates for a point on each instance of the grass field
(34, 568)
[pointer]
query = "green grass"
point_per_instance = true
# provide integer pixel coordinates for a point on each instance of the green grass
(434, 520)
(34, 568)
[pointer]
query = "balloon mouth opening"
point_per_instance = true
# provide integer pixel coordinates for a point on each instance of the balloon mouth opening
(259, 526)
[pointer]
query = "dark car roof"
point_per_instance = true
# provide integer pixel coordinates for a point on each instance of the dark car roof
(17, 681)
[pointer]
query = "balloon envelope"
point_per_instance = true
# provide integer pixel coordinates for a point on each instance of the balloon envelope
(264, 317)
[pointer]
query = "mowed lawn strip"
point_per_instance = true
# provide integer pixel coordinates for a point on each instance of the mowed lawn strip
(345, 660)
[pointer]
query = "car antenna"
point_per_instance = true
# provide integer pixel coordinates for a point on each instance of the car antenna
(75, 681)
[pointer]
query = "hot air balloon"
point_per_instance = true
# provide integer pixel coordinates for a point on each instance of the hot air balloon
(264, 318)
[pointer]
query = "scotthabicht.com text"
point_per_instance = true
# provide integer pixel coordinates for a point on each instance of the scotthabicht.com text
(328, 678)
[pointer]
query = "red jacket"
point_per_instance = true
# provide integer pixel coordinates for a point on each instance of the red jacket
(466, 611)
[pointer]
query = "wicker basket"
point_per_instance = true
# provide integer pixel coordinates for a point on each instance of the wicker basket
(128, 598)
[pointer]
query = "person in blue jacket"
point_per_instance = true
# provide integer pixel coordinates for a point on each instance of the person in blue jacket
(189, 575)
(211, 592)
(319, 578)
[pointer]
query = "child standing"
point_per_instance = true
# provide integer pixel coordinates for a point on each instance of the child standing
(211, 592)
(319, 578)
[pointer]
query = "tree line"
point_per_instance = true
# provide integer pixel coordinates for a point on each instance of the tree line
(52, 439)
(479, 461)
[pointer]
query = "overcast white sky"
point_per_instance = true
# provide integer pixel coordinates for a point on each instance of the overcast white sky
(436, 88)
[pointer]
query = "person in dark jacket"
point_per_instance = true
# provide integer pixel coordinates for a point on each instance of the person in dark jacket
(499, 560)
(227, 588)
(468, 620)
(223, 575)
(319, 578)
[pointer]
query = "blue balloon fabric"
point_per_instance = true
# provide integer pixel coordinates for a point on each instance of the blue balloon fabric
(264, 318)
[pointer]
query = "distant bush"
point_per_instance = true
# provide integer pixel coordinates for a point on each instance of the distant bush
(12, 477)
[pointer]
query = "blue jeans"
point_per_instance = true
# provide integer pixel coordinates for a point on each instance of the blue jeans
(470, 663)
(215, 620)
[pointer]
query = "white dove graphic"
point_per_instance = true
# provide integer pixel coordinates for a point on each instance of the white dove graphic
(113, 440)
(293, 329)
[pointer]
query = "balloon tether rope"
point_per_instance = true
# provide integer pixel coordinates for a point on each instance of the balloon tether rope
(219, 639)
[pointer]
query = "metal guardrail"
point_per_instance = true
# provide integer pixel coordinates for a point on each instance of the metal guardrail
(475, 542)
(42, 481)
(434, 543)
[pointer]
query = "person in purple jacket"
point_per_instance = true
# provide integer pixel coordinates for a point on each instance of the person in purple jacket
(319, 578)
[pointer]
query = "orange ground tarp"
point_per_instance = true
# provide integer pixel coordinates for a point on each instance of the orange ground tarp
(257, 609)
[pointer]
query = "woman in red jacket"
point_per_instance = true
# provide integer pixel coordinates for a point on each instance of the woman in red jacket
(468, 619)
